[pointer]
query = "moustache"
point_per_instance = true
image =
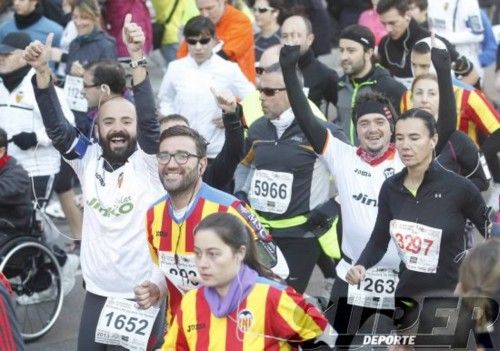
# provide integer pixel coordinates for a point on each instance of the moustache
(120, 134)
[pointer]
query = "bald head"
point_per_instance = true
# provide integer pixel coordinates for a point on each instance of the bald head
(117, 107)
(270, 56)
(297, 30)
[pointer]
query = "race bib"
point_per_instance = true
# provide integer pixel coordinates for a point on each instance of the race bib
(179, 273)
(73, 87)
(418, 245)
(376, 290)
(123, 324)
(271, 191)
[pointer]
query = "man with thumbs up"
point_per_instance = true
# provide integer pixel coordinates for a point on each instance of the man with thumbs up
(119, 180)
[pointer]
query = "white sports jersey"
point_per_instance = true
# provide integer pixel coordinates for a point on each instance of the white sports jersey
(114, 253)
(459, 21)
(359, 184)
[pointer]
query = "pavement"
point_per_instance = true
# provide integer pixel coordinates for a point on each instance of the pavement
(63, 336)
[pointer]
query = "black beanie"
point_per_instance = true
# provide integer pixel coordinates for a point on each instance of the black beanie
(359, 34)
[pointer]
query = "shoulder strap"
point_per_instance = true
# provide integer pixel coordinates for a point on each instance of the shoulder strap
(171, 12)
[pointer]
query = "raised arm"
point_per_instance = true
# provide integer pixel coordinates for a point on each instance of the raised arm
(315, 132)
(224, 165)
(447, 121)
(63, 135)
(148, 128)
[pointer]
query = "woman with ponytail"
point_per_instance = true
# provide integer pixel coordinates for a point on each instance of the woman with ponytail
(240, 303)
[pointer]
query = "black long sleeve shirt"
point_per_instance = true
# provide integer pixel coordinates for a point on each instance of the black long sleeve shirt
(443, 201)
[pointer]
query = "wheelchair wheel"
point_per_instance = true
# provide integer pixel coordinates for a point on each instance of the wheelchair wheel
(35, 276)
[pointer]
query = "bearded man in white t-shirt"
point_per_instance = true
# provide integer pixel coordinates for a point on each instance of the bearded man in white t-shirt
(119, 179)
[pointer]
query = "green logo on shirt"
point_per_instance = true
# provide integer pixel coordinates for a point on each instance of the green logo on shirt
(122, 207)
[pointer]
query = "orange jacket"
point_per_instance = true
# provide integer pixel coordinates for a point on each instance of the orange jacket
(235, 30)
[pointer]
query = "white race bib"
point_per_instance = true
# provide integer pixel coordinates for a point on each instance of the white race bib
(181, 272)
(271, 191)
(121, 323)
(418, 245)
(376, 290)
(73, 87)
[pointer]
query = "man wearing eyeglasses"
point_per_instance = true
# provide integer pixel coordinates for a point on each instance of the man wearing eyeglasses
(119, 179)
(234, 30)
(284, 181)
(182, 161)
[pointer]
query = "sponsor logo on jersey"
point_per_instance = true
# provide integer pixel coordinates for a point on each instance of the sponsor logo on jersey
(193, 327)
(362, 173)
(364, 199)
(121, 207)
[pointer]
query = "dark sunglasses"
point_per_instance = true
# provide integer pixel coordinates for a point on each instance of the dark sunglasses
(262, 9)
(202, 41)
(270, 91)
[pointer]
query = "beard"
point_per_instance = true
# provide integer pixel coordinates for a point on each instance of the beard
(187, 182)
(117, 155)
(354, 69)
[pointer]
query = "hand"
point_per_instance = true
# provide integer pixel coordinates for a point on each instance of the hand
(225, 100)
(289, 55)
(218, 122)
(355, 274)
(37, 55)
(25, 140)
(147, 294)
(133, 37)
(56, 54)
(77, 69)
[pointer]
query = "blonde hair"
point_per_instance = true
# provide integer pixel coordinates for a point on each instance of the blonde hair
(480, 280)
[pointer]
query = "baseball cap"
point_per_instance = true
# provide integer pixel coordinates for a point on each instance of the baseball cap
(359, 34)
(14, 41)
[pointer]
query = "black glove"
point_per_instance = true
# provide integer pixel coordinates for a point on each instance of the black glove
(242, 196)
(25, 140)
(289, 56)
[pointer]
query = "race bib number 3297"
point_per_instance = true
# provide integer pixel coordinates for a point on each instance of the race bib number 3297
(418, 245)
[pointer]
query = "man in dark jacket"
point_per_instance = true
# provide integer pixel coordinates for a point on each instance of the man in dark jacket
(403, 32)
(15, 198)
(320, 80)
(356, 48)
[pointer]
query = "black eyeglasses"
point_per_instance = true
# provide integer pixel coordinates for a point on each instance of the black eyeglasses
(202, 41)
(270, 91)
(181, 157)
(262, 9)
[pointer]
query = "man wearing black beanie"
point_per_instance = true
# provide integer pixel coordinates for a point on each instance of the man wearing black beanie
(356, 48)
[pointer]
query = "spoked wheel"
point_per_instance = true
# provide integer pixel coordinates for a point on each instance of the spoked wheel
(35, 276)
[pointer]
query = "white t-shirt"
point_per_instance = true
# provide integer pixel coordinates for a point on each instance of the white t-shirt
(359, 184)
(185, 90)
(114, 253)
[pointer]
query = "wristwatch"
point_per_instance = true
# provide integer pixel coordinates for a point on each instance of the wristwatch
(141, 62)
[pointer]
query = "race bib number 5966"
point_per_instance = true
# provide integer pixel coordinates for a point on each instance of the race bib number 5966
(271, 191)
(418, 245)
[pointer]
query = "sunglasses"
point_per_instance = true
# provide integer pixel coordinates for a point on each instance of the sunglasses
(262, 9)
(202, 41)
(259, 70)
(270, 91)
